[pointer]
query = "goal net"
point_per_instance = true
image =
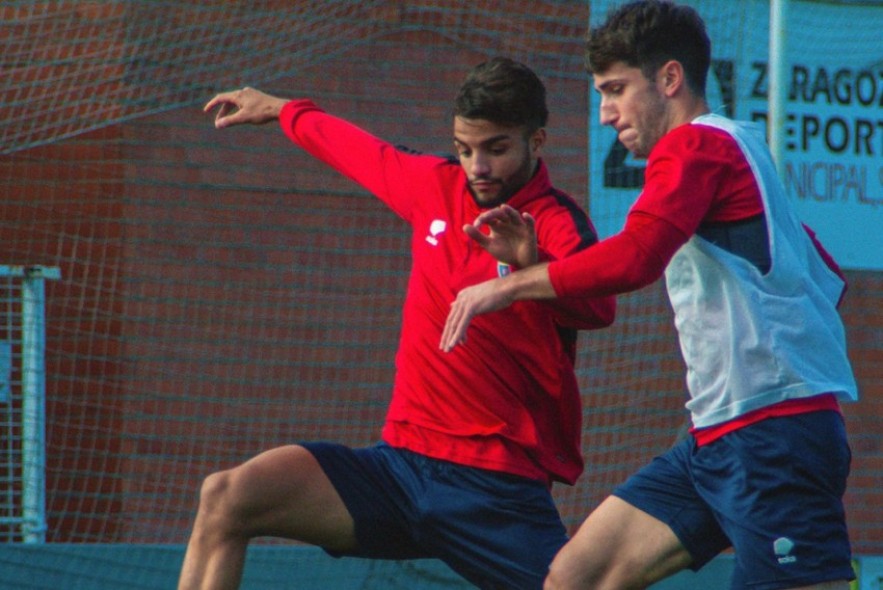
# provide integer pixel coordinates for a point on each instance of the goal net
(222, 293)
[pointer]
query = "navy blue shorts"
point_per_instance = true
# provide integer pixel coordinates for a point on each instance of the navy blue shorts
(497, 531)
(772, 490)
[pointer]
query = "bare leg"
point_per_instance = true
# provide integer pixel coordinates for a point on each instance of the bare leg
(618, 547)
(282, 492)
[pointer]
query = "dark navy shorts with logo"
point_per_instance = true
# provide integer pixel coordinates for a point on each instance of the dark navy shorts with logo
(772, 490)
(498, 531)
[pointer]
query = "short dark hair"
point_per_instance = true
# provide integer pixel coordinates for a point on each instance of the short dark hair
(504, 92)
(648, 33)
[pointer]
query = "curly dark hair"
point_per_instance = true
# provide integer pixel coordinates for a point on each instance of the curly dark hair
(648, 33)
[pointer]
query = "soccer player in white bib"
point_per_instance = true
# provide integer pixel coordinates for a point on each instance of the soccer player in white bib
(755, 302)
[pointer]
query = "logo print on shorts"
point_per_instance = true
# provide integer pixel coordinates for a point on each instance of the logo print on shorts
(436, 228)
(782, 548)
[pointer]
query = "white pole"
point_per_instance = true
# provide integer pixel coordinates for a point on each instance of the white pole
(33, 412)
(33, 379)
(777, 95)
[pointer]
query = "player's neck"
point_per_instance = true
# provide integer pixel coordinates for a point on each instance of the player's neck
(685, 110)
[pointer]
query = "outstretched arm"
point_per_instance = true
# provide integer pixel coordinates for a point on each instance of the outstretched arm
(390, 174)
(245, 106)
(632, 259)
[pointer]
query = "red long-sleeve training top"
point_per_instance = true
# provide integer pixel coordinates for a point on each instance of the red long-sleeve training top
(508, 399)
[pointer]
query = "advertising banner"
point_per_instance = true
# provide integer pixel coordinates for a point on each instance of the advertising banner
(832, 160)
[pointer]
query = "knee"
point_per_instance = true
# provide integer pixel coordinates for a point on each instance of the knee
(560, 578)
(217, 503)
(589, 574)
(567, 573)
(554, 580)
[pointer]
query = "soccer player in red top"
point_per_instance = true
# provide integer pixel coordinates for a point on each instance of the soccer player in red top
(472, 440)
(755, 303)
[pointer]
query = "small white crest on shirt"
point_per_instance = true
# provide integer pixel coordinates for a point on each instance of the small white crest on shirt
(436, 228)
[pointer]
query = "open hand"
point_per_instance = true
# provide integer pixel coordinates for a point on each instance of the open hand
(512, 238)
(243, 106)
